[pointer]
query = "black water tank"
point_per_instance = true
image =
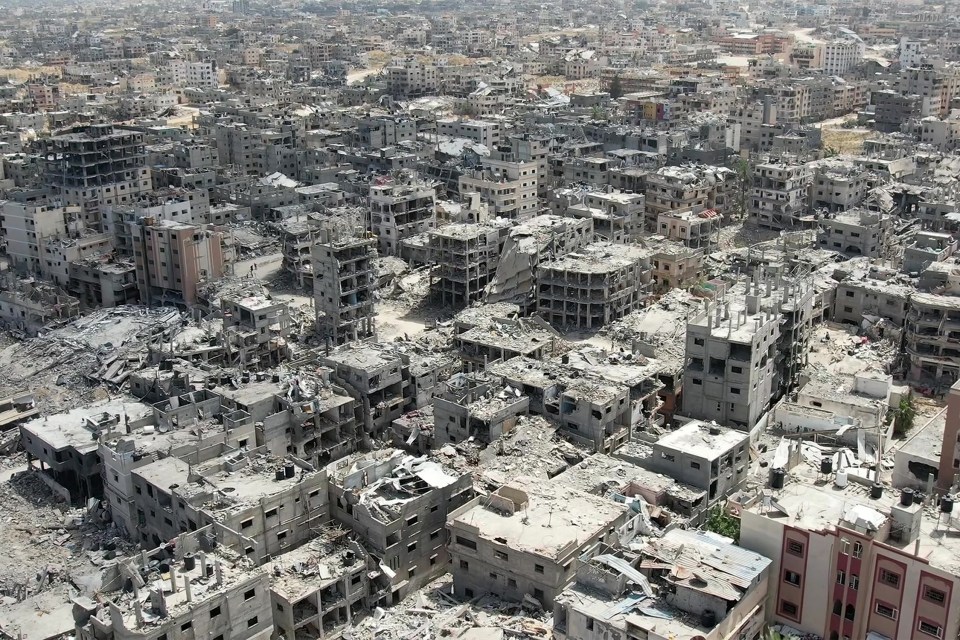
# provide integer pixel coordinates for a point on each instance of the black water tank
(280, 474)
(289, 470)
(826, 465)
(708, 619)
(876, 491)
(776, 478)
(906, 497)
(189, 562)
(946, 504)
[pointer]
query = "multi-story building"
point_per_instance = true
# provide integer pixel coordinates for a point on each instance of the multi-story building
(706, 456)
(97, 165)
(838, 186)
(401, 209)
(674, 189)
(853, 566)
(183, 73)
(857, 233)
(343, 287)
(411, 79)
(376, 377)
(28, 226)
(931, 327)
(398, 506)
(506, 183)
(731, 353)
(616, 216)
(467, 255)
(938, 85)
(778, 197)
(492, 549)
(255, 330)
(595, 285)
(842, 54)
(482, 132)
(172, 259)
(694, 229)
(515, 279)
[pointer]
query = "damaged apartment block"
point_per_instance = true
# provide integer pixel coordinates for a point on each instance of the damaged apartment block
(598, 284)
(343, 287)
(397, 505)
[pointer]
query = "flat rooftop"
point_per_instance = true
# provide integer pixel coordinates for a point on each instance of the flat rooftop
(75, 428)
(241, 485)
(552, 523)
(599, 257)
(818, 506)
(695, 438)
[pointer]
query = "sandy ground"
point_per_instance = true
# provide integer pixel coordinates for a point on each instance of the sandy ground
(843, 140)
(357, 76)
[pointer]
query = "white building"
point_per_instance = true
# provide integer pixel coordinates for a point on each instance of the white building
(843, 53)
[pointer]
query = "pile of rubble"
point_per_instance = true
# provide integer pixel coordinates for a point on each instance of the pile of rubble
(48, 543)
(433, 613)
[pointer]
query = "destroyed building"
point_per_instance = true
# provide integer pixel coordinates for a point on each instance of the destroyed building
(376, 377)
(593, 286)
(400, 209)
(686, 585)
(527, 245)
(398, 505)
(196, 588)
(343, 288)
(467, 255)
(474, 407)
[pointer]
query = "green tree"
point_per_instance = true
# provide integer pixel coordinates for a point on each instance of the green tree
(904, 416)
(721, 522)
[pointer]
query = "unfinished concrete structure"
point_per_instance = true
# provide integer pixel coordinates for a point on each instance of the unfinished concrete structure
(401, 208)
(731, 352)
(467, 255)
(398, 506)
(343, 287)
(591, 287)
(97, 165)
(778, 197)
